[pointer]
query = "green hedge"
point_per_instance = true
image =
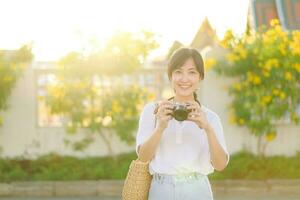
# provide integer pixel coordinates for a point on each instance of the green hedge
(244, 165)
(53, 167)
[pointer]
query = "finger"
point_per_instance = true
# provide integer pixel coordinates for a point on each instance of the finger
(164, 102)
(191, 119)
(191, 102)
(169, 106)
(168, 112)
(165, 111)
(194, 108)
(165, 118)
(193, 115)
(169, 117)
(163, 108)
(190, 106)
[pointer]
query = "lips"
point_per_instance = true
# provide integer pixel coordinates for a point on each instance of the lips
(184, 86)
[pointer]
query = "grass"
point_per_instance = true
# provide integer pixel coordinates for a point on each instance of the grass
(242, 165)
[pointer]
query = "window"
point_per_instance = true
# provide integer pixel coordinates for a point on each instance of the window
(45, 118)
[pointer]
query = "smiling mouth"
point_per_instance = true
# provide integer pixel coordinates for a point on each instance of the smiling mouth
(184, 86)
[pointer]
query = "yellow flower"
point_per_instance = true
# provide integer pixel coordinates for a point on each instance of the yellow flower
(232, 57)
(273, 62)
(209, 63)
(267, 39)
(296, 36)
(270, 136)
(232, 118)
(270, 37)
(282, 49)
(250, 39)
(58, 92)
(256, 80)
(297, 67)
(241, 121)
(288, 76)
(252, 78)
(237, 86)
(241, 51)
(294, 116)
(282, 95)
(116, 107)
(228, 36)
(266, 73)
(128, 113)
(295, 48)
(274, 22)
(266, 99)
(275, 91)
(281, 33)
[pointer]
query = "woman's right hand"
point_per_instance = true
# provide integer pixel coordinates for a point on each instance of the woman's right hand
(164, 114)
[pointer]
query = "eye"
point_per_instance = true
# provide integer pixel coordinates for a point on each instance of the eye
(193, 72)
(177, 72)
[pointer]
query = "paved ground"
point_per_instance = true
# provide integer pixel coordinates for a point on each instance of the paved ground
(96, 190)
(118, 198)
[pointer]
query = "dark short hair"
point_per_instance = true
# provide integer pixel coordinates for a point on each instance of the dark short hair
(181, 55)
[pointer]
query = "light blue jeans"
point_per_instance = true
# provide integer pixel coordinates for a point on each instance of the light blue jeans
(193, 186)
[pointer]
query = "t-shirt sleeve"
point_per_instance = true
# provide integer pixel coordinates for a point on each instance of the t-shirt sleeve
(218, 128)
(146, 124)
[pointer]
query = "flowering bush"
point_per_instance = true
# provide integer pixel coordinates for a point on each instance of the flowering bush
(265, 66)
(89, 94)
(112, 110)
(12, 65)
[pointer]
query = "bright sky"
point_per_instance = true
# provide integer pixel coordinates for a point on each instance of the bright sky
(57, 27)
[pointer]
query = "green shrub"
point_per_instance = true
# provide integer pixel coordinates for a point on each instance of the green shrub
(247, 166)
(242, 165)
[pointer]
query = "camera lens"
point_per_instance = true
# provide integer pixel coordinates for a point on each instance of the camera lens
(180, 112)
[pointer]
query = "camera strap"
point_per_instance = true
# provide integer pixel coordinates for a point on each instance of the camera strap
(194, 99)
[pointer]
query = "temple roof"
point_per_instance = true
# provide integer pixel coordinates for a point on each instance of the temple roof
(206, 36)
(263, 11)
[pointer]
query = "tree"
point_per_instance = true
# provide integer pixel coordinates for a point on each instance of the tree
(90, 94)
(265, 66)
(12, 66)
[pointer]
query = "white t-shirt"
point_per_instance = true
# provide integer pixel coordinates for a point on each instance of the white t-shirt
(183, 147)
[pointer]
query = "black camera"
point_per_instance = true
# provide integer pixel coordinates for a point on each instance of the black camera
(180, 111)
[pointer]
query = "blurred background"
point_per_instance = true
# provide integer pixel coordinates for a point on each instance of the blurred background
(74, 76)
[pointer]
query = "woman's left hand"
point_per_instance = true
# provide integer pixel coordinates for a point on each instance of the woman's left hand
(197, 115)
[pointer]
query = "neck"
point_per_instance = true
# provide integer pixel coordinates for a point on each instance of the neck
(183, 99)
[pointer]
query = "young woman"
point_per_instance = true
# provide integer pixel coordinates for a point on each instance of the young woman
(181, 153)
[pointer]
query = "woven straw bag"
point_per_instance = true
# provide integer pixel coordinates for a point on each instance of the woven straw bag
(137, 182)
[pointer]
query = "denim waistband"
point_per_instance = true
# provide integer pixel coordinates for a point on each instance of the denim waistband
(168, 178)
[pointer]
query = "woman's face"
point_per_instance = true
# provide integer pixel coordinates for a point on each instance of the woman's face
(185, 79)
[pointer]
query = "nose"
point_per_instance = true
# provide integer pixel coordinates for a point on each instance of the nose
(184, 78)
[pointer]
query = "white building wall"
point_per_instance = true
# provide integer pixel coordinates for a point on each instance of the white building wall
(20, 135)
